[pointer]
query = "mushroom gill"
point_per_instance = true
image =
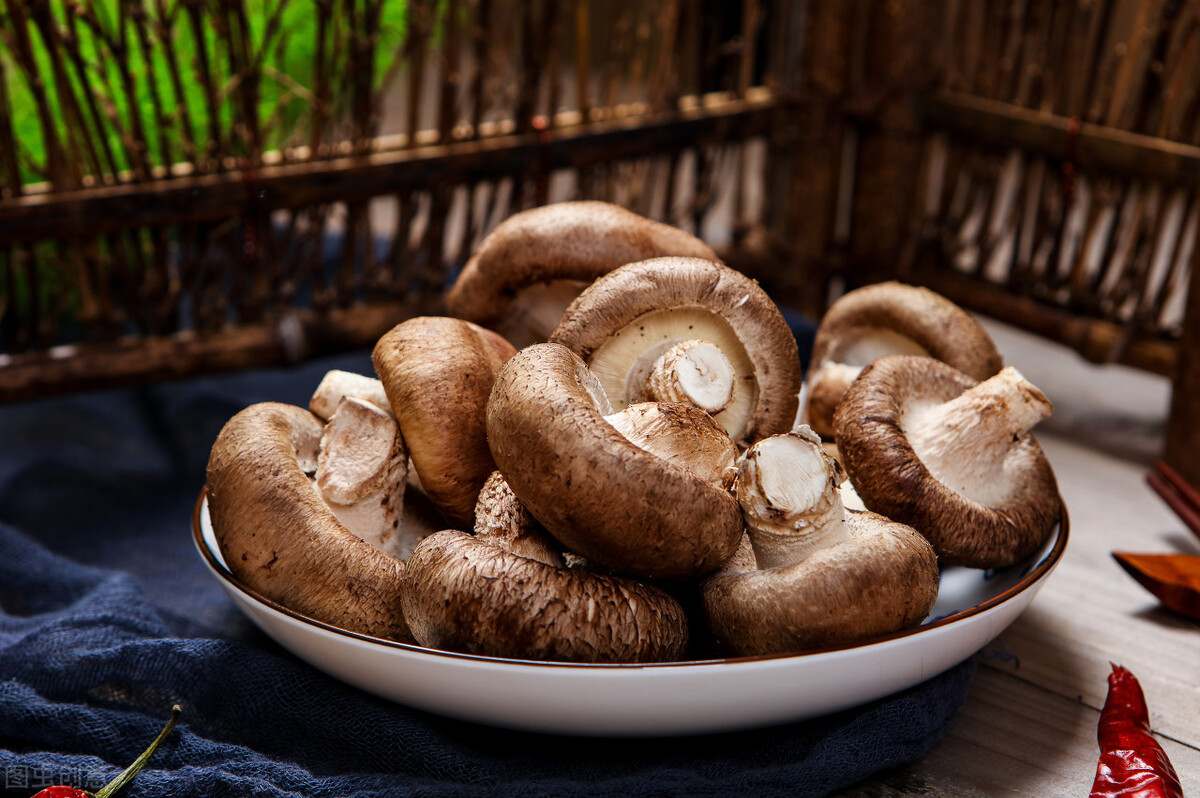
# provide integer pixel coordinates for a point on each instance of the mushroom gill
(929, 446)
(688, 329)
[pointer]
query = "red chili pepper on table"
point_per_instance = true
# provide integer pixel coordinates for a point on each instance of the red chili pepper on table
(1132, 763)
(125, 777)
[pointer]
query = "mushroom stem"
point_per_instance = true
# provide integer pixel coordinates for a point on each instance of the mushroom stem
(825, 390)
(967, 439)
(787, 486)
(694, 372)
(503, 521)
(681, 434)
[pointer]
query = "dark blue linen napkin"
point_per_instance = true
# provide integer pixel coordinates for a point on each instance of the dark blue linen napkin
(108, 617)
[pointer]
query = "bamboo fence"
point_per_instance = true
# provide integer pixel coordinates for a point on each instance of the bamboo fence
(1035, 160)
(159, 237)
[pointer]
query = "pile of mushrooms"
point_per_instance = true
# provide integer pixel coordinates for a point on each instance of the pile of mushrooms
(640, 446)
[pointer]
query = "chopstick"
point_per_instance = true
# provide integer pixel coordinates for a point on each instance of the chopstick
(1177, 493)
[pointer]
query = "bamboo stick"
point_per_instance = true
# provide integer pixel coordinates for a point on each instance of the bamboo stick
(100, 85)
(9, 323)
(529, 73)
(1027, 74)
(80, 150)
(622, 15)
(322, 78)
(1058, 68)
(213, 150)
(1179, 89)
(552, 65)
(638, 59)
(1171, 297)
(1150, 104)
(16, 38)
(481, 49)
(398, 252)
(434, 242)
(164, 36)
(1012, 49)
(139, 361)
(451, 75)
(141, 25)
(1171, 240)
(117, 40)
(11, 185)
(347, 282)
(750, 23)
(583, 60)
(109, 169)
(419, 27)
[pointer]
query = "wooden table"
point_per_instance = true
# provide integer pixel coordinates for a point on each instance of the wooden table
(1028, 727)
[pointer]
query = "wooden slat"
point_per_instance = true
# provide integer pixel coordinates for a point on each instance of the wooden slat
(1012, 738)
(1097, 340)
(199, 198)
(299, 334)
(1183, 427)
(1104, 148)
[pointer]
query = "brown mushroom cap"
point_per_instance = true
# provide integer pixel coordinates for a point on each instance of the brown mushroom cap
(567, 241)
(890, 318)
(598, 493)
(1011, 515)
(627, 319)
(883, 579)
(282, 540)
(438, 373)
(468, 594)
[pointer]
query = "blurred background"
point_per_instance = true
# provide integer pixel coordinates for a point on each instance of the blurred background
(191, 186)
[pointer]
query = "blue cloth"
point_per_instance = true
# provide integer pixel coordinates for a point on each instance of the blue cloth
(108, 617)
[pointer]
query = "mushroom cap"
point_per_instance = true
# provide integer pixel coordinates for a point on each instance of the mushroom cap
(467, 594)
(598, 493)
(891, 318)
(892, 480)
(438, 373)
(622, 322)
(282, 540)
(577, 241)
(884, 578)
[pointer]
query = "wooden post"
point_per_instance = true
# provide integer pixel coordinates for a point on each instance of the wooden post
(1183, 427)
(805, 154)
(901, 38)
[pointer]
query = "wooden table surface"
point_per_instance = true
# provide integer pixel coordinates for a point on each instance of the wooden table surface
(1028, 727)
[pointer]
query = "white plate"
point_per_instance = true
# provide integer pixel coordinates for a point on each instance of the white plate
(662, 699)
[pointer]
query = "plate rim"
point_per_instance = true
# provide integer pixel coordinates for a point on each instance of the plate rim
(1043, 567)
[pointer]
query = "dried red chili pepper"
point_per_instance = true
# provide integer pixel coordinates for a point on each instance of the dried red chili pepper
(1174, 579)
(1132, 763)
(126, 775)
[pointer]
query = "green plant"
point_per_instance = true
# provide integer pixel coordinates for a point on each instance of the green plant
(105, 87)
